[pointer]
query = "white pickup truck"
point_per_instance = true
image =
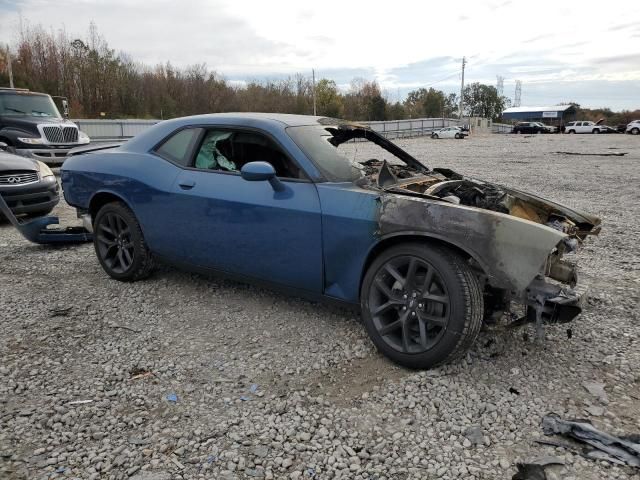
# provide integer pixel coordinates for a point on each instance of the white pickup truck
(584, 127)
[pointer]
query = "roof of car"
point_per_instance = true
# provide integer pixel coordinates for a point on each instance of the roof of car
(287, 119)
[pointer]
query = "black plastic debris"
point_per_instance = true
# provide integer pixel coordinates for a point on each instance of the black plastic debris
(514, 391)
(620, 450)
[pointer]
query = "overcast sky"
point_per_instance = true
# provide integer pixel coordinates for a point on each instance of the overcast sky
(581, 50)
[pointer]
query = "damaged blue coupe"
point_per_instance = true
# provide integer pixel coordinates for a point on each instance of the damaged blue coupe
(427, 254)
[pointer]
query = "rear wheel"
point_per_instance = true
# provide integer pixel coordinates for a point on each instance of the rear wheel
(435, 135)
(421, 304)
(119, 243)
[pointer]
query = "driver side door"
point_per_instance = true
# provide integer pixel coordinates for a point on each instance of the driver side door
(247, 228)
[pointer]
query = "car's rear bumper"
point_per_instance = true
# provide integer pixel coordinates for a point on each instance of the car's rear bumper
(36, 197)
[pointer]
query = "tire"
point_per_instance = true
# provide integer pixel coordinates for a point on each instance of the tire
(120, 245)
(595, 131)
(435, 135)
(634, 131)
(458, 136)
(571, 131)
(404, 324)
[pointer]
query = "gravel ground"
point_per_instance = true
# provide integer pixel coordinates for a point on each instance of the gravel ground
(184, 376)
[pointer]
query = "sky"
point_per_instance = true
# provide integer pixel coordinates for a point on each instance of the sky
(586, 51)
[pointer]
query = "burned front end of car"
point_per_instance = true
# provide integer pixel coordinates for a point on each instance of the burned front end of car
(522, 244)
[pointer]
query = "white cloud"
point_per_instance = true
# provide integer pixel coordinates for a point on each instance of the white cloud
(391, 41)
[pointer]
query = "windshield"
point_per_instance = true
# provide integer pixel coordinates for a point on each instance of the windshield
(26, 104)
(314, 140)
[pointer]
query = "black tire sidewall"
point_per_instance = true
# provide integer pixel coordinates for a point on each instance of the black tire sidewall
(139, 246)
(457, 304)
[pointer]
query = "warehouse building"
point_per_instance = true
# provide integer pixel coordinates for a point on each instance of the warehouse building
(556, 115)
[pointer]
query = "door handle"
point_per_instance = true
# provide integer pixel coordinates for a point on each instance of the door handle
(187, 184)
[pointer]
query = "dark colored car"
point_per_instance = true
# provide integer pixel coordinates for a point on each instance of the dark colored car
(31, 125)
(28, 186)
(528, 127)
(425, 254)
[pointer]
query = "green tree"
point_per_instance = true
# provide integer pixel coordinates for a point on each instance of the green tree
(482, 101)
(430, 103)
(328, 99)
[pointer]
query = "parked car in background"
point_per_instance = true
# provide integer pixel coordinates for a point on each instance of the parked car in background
(425, 254)
(528, 127)
(28, 186)
(450, 132)
(634, 127)
(546, 128)
(31, 125)
(585, 127)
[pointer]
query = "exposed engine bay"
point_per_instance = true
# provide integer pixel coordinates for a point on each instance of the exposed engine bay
(413, 178)
(449, 186)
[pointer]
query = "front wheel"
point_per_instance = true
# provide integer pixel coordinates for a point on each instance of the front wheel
(635, 131)
(421, 304)
(119, 243)
(458, 136)
(595, 131)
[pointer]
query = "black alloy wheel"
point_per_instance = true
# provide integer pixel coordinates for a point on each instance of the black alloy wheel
(119, 243)
(115, 246)
(409, 304)
(421, 304)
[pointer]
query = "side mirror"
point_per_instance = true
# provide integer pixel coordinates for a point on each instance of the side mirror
(3, 146)
(65, 108)
(261, 171)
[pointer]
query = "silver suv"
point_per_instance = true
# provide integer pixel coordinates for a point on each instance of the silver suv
(634, 127)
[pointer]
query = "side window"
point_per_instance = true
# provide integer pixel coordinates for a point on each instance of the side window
(228, 150)
(178, 147)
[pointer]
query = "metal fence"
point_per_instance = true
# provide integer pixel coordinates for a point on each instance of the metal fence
(501, 128)
(106, 130)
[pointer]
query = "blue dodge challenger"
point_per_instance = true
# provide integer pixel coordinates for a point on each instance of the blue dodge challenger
(427, 254)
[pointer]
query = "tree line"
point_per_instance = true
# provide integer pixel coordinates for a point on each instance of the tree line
(99, 82)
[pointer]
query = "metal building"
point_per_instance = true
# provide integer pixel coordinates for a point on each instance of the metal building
(554, 115)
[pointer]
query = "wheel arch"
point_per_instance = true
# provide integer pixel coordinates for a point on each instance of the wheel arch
(100, 199)
(391, 240)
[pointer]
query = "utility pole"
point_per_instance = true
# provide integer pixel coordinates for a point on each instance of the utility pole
(9, 68)
(313, 75)
(464, 62)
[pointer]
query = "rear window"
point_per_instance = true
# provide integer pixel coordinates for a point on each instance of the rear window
(178, 147)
